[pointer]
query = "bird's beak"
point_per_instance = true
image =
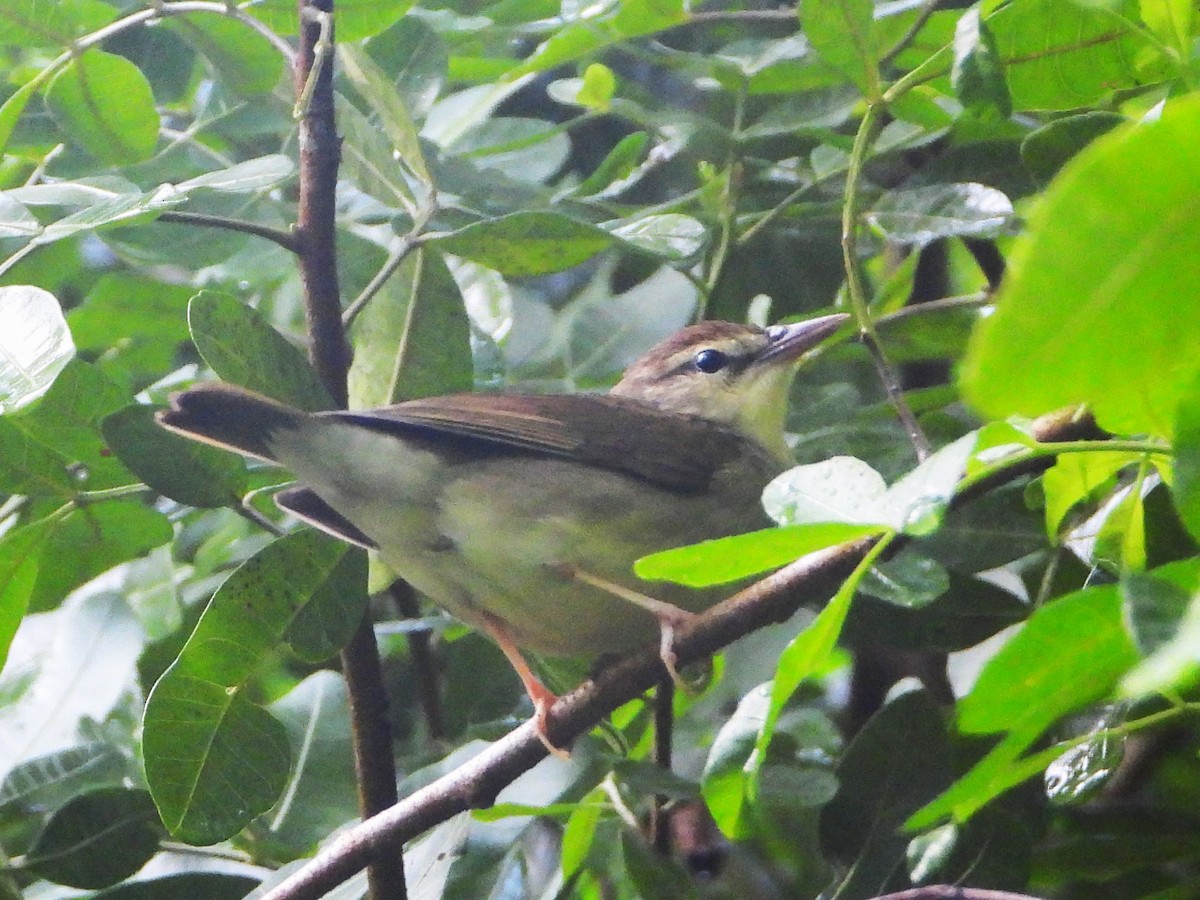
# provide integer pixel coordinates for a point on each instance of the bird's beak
(790, 342)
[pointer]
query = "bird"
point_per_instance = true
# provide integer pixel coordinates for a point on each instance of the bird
(522, 514)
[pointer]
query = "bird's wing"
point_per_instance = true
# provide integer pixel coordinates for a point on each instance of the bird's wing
(673, 451)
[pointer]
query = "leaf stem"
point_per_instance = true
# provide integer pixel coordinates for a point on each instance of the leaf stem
(868, 130)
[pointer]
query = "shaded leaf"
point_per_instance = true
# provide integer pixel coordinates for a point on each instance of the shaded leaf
(184, 470)
(92, 540)
(978, 73)
(922, 215)
(899, 760)
(105, 104)
(413, 339)
(98, 839)
(214, 760)
(244, 349)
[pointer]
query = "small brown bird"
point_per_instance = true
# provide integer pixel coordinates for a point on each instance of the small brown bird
(523, 514)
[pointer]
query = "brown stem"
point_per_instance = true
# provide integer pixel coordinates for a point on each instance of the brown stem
(316, 236)
(316, 229)
(285, 239)
(664, 728)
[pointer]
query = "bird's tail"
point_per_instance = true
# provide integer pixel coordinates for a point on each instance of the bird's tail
(231, 418)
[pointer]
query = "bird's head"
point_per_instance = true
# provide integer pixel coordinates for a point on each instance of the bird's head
(736, 375)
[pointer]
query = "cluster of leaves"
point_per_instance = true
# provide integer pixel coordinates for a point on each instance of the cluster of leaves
(532, 193)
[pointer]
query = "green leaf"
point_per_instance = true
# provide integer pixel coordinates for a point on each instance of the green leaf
(98, 839)
(356, 19)
(1078, 477)
(1165, 613)
(184, 470)
(843, 34)
(244, 177)
(29, 467)
(67, 419)
(413, 339)
(633, 18)
(35, 344)
(810, 651)
(733, 558)
(242, 348)
(106, 106)
(527, 243)
(1049, 148)
(11, 111)
(92, 540)
(388, 108)
(1069, 300)
(723, 783)
(978, 73)
(1067, 55)
(31, 23)
(130, 307)
(246, 61)
(922, 215)
(598, 87)
(214, 760)
(329, 618)
(415, 58)
(20, 555)
(670, 236)
(620, 163)
(909, 580)
(50, 781)
(1069, 653)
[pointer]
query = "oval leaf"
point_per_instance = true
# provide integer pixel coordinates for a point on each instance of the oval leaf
(184, 470)
(105, 104)
(242, 348)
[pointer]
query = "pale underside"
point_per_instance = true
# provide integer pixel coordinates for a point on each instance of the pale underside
(495, 534)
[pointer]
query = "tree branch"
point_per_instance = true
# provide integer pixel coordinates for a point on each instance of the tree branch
(316, 237)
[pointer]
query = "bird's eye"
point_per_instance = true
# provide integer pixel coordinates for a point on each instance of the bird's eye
(710, 361)
(775, 332)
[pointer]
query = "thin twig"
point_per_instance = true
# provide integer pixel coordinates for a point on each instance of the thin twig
(664, 728)
(285, 239)
(867, 132)
(927, 10)
(424, 664)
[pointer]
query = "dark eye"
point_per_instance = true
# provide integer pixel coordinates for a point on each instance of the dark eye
(710, 361)
(775, 332)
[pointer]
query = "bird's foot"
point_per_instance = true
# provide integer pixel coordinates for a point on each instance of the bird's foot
(540, 695)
